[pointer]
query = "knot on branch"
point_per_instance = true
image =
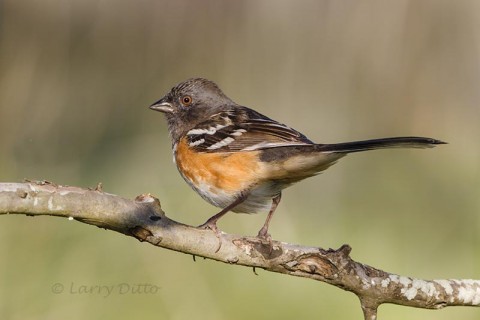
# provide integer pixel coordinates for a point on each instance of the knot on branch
(328, 264)
(314, 263)
(153, 203)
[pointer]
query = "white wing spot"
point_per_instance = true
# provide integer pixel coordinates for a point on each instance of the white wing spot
(210, 130)
(196, 143)
(263, 145)
(238, 132)
(221, 143)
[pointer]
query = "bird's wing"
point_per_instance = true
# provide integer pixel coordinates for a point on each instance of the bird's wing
(242, 129)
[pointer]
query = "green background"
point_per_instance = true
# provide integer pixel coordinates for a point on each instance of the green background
(76, 78)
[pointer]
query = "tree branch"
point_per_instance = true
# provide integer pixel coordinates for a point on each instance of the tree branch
(144, 219)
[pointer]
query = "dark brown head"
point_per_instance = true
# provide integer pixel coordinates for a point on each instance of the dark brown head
(189, 103)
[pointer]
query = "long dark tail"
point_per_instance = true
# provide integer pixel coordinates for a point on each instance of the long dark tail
(384, 143)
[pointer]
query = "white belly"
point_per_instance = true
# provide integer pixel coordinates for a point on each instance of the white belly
(259, 199)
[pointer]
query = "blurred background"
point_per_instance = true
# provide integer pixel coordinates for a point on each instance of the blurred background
(76, 78)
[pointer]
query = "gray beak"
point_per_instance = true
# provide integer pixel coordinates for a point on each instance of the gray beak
(162, 106)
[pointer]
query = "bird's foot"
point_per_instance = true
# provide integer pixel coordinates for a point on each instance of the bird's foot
(265, 238)
(212, 225)
(264, 235)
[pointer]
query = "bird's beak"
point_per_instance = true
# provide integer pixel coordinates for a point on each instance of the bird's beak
(162, 106)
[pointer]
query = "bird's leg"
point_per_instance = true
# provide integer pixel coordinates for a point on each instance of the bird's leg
(263, 233)
(211, 223)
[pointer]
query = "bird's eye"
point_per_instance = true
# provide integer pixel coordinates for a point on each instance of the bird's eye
(186, 100)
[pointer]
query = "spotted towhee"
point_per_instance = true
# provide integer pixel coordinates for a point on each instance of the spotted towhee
(240, 160)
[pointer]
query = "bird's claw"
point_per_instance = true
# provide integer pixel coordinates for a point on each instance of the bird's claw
(212, 225)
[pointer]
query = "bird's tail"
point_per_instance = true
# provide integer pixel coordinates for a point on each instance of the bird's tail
(384, 143)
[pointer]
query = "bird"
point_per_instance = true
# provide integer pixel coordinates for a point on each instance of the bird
(240, 160)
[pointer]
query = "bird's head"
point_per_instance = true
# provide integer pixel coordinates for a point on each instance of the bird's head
(189, 103)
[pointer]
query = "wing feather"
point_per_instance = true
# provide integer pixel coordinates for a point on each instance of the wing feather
(241, 128)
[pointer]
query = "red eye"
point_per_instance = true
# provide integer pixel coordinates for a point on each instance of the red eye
(186, 100)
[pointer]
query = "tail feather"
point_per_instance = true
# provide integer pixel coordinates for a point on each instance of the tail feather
(384, 143)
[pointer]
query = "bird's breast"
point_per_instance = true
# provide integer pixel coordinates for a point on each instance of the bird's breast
(219, 177)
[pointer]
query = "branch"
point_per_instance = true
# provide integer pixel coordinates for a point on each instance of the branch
(144, 219)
